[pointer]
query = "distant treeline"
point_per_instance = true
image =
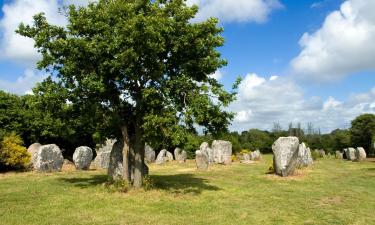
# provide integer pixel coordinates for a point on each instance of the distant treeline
(47, 117)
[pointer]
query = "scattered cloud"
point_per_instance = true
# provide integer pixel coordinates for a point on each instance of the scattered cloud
(316, 5)
(235, 11)
(24, 84)
(262, 102)
(345, 44)
(217, 75)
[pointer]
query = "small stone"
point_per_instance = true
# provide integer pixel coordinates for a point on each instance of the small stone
(256, 155)
(82, 157)
(339, 155)
(351, 154)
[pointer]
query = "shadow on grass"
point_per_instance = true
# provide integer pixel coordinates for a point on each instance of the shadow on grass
(87, 181)
(182, 184)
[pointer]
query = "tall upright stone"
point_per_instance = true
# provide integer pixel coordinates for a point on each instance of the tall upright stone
(49, 158)
(351, 154)
(304, 155)
(180, 155)
(285, 155)
(103, 153)
(205, 147)
(149, 154)
(360, 154)
(115, 169)
(82, 157)
(201, 160)
(222, 152)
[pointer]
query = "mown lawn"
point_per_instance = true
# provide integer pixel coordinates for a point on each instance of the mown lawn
(331, 192)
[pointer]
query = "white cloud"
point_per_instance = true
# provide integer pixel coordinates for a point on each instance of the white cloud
(217, 75)
(235, 11)
(261, 102)
(23, 84)
(15, 47)
(345, 44)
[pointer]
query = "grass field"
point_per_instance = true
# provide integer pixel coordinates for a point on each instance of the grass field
(330, 192)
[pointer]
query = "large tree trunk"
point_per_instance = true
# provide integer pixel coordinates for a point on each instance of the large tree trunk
(139, 152)
(125, 153)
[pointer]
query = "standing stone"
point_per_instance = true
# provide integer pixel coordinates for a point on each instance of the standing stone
(205, 147)
(351, 154)
(82, 157)
(115, 169)
(33, 150)
(339, 155)
(201, 159)
(322, 153)
(360, 154)
(246, 159)
(222, 152)
(285, 155)
(169, 157)
(48, 158)
(149, 154)
(256, 155)
(180, 155)
(163, 157)
(304, 156)
(103, 153)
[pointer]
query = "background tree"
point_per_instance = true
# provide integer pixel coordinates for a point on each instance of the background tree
(143, 64)
(362, 131)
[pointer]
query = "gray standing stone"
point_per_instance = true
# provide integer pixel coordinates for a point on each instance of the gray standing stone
(103, 153)
(222, 152)
(304, 155)
(351, 154)
(163, 157)
(246, 159)
(48, 158)
(115, 169)
(322, 153)
(169, 157)
(180, 155)
(201, 159)
(205, 147)
(33, 150)
(149, 154)
(285, 155)
(360, 154)
(256, 155)
(339, 155)
(82, 157)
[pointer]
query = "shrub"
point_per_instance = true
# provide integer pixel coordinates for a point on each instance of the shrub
(245, 151)
(12, 154)
(148, 183)
(118, 185)
(234, 158)
(315, 155)
(271, 169)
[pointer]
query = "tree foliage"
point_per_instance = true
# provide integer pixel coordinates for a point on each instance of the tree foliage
(362, 131)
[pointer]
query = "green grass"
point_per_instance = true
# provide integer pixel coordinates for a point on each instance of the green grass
(331, 192)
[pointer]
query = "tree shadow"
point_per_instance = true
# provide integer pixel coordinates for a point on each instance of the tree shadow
(86, 182)
(182, 184)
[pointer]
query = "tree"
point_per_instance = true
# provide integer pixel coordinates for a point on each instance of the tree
(143, 64)
(362, 131)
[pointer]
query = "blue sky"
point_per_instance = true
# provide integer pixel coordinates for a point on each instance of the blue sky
(319, 54)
